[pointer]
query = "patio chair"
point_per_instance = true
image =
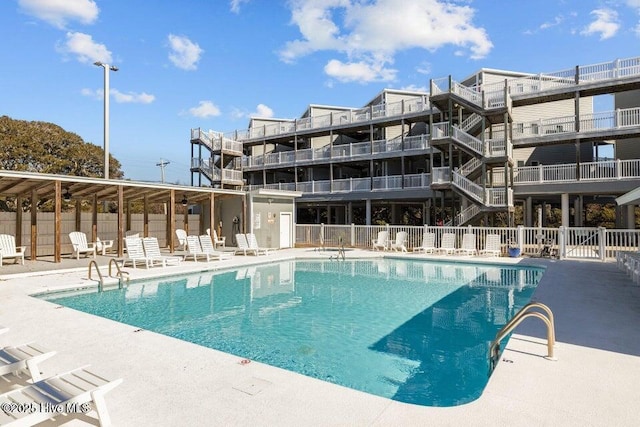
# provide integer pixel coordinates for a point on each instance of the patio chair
(194, 249)
(253, 245)
(25, 358)
(381, 242)
(152, 252)
(207, 246)
(468, 246)
(182, 238)
(135, 252)
(447, 244)
(218, 241)
(243, 245)
(81, 245)
(492, 245)
(399, 242)
(428, 243)
(103, 245)
(74, 389)
(8, 249)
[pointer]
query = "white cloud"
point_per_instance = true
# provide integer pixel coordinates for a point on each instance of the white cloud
(205, 109)
(184, 53)
(634, 3)
(235, 5)
(370, 33)
(59, 12)
(85, 49)
(414, 88)
(556, 21)
(262, 111)
(132, 97)
(120, 97)
(362, 72)
(424, 68)
(606, 24)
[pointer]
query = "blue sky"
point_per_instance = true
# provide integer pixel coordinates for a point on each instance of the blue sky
(214, 64)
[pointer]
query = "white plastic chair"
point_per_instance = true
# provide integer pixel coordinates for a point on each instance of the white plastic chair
(207, 246)
(182, 238)
(81, 245)
(381, 242)
(447, 244)
(8, 249)
(152, 252)
(468, 246)
(400, 242)
(253, 245)
(492, 246)
(428, 243)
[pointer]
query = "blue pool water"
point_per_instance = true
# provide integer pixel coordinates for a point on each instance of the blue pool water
(412, 331)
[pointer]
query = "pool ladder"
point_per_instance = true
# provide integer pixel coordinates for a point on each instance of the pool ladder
(526, 311)
(339, 254)
(121, 275)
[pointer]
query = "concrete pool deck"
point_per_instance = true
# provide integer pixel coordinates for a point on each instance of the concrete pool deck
(168, 382)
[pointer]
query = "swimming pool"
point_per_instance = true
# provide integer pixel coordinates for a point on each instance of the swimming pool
(413, 331)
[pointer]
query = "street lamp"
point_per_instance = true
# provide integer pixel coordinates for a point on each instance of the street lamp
(106, 67)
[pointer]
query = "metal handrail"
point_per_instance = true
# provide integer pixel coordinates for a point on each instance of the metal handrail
(119, 273)
(101, 282)
(494, 351)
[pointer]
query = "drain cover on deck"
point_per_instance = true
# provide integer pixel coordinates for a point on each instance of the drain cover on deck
(252, 386)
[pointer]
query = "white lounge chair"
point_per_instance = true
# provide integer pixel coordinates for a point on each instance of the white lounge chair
(428, 243)
(194, 249)
(69, 391)
(381, 242)
(253, 245)
(81, 245)
(23, 358)
(492, 246)
(400, 242)
(103, 245)
(8, 248)
(152, 252)
(468, 246)
(243, 245)
(447, 244)
(207, 246)
(182, 238)
(216, 241)
(135, 252)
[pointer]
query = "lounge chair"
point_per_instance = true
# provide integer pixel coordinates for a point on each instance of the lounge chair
(400, 242)
(428, 243)
(182, 238)
(194, 249)
(216, 241)
(135, 252)
(70, 393)
(492, 245)
(243, 245)
(447, 244)
(381, 242)
(253, 245)
(8, 248)
(207, 246)
(468, 246)
(81, 245)
(24, 357)
(103, 245)
(152, 252)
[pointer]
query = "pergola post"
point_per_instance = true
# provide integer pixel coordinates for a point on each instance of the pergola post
(171, 230)
(19, 220)
(34, 225)
(57, 256)
(94, 218)
(146, 215)
(120, 221)
(212, 213)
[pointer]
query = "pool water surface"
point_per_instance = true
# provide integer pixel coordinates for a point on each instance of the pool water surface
(412, 331)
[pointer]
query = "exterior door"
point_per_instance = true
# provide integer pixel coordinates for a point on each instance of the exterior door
(285, 229)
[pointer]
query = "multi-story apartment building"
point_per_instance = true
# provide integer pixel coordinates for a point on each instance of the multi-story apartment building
(466, 151)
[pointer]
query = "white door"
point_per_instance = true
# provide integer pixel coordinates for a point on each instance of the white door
(285, 229)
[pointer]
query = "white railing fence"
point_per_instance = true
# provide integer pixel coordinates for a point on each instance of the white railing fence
(567, 242)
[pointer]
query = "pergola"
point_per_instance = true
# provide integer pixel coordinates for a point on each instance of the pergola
(37, 186)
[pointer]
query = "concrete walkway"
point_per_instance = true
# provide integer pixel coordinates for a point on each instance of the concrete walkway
(168, 382)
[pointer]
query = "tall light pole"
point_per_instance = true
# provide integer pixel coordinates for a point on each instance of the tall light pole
(107, 68)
